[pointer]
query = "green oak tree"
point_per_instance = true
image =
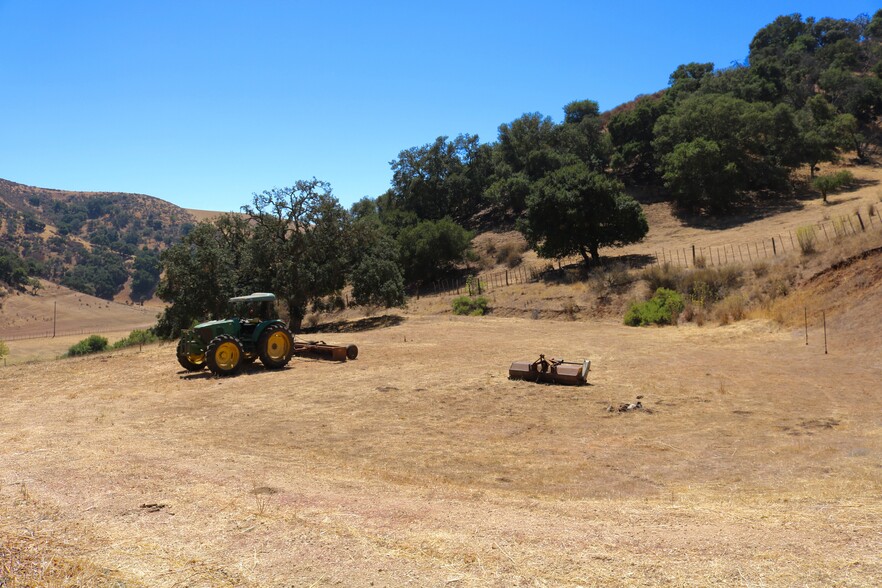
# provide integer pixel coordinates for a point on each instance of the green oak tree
(577, 210)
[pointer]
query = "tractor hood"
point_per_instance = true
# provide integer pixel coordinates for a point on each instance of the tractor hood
(212, 324)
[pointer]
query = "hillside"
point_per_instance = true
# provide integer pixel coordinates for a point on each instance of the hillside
(94, 242)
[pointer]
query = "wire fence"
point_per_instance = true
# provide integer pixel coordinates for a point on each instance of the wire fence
(690, 256)
(48, 334)
(479, 283)
(772, 246)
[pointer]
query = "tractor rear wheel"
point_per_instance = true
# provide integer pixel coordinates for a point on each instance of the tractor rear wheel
(224, 355)
(276, 346)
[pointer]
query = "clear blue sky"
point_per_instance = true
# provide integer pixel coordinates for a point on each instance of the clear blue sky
(203, 103)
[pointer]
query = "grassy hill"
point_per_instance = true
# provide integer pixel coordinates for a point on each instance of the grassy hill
(93, 242)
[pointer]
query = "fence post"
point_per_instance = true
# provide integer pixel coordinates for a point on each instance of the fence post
(774, 249)
(860, 220)
(506, 277)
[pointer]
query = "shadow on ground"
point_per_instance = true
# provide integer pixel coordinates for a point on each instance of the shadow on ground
(365, 324)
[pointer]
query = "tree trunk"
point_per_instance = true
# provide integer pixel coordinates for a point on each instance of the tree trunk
(585, 258)
(296, 312)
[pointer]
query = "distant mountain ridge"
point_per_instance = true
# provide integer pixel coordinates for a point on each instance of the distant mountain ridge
(95, 242)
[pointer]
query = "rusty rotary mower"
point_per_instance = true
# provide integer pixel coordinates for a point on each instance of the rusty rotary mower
(322, 350)
(552, 371)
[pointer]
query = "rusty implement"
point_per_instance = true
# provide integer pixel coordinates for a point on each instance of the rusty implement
(553, 371)
(322, 350)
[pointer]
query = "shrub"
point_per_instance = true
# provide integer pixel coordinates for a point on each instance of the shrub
(730, 308)
(661, 309)
(832, 182)
(467, 305)
(693, 313)
(663, 276)
(617, 277)
(136, 337)
(91, 344)
(806, 237)
(710, 284)
(510, 254)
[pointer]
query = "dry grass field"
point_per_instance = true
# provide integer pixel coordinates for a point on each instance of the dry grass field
(756, 459)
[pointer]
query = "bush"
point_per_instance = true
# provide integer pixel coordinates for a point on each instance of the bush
(661, 309)
(731, 308)
(136, 337)
(663, 276)
(91, 344)
(806, 237)
(832, 182)
(710, 284)
(511, 254)
(466, 305)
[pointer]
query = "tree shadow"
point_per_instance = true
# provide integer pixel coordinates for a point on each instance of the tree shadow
(805, 193)
(741, 214)
(578, 271)
(365, 324)
(630, 260)
(765, 204)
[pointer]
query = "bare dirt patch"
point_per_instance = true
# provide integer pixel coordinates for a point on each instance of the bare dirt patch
(420, 463)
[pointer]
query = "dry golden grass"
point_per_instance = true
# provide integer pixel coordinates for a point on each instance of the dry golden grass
(78, 316)
(756, 462)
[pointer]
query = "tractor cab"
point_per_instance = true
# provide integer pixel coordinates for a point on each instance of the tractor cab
(255, 308)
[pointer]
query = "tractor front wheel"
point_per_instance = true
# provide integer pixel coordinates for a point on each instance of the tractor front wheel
(276, 346)
(192, 363)
(224, 355)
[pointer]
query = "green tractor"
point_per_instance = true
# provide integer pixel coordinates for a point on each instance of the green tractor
(226, 345)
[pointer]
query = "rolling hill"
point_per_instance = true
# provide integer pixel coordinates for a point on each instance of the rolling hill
(93, 242)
